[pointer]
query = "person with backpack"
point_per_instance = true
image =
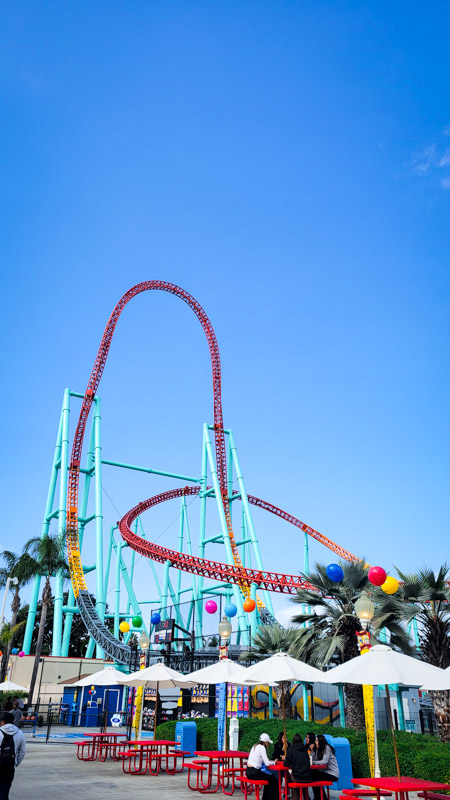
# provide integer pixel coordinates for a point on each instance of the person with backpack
(12, 752)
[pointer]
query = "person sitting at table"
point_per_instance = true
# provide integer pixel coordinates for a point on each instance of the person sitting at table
(297, 759)
(258, 757)
(278, 750)
(324, 756)
(310, 742)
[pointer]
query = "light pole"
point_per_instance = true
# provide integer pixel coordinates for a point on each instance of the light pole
(9, 581)
(365, 610)
(225, 631)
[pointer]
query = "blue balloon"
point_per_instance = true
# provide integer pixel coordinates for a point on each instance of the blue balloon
(155, 618)
(14, 651)
(230, 610)
(335, 573)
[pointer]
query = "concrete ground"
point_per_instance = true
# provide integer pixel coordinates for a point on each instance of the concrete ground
(52, 771)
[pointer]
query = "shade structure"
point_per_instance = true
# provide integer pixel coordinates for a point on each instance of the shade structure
(223, 671)
(10, 686)
(104, 677)
(439, 683)
(157, 675)
(282, 667)
(383, 665)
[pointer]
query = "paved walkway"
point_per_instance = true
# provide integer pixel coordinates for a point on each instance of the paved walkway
(53, 771)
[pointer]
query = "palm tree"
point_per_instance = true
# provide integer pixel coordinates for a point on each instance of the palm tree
(330, 626)
(7, 635)
(47, 557)
(425, 596)
(271, 639)
(19, 567)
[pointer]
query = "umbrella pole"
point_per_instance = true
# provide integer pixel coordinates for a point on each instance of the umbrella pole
(391, 721)
(106, 710)
(156, 713)
(284, 717)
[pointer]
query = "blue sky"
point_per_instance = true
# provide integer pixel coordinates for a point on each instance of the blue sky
(287, 163)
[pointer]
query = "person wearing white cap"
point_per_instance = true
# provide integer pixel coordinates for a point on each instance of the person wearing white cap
(257, 767)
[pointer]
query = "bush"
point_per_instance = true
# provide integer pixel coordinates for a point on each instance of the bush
(420, 756)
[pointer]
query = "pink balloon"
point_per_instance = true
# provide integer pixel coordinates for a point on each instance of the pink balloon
(21, 654)
(211, 606)
(377, 576)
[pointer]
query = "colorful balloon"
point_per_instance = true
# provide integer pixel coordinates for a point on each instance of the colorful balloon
(230, 610)
(124, 626)
(249, 605)
(211, 606)
(390, 585)
(21, 654)
(377, 576)
(14, 651)
(335, 573)
(155, 618)
(137, 622)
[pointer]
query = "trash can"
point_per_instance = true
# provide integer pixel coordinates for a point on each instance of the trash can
(343, 755)
(186, 737)
(234, 734)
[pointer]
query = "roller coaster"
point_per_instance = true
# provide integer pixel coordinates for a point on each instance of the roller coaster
(234, 578)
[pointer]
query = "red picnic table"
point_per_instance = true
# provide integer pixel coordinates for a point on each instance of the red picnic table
(281, 770)
(101, 744)
(147, 755)
(226, 769)
(403, 786)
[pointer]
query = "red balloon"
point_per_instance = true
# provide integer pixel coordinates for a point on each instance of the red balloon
(377, 576)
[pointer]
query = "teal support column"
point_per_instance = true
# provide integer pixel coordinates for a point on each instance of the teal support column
(253, 616)
(45, 527)
(401, 713)
(242, 622)
(305, 702)
(90, 648)
(81, 525)
(165, 591)
(180, 549)
(249, 519)
(197, 599)
(341, 705)
(270, 695)
(118, 549)
(99, 598)
(202, 521)
(64, 463)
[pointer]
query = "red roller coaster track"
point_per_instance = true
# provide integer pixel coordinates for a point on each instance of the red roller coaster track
(235, 573)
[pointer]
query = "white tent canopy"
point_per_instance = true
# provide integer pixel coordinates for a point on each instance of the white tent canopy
(10, 686)
(282, 667)
(382, 665)
(104, 677)
(223, 671)
(157, 675)
(440, 683)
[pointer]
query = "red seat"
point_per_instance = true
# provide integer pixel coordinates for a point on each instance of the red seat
(321, 784)
(91, 750)
(233, 775)
(199, 769)
(250, 784)
(434, 795)
(365, 793)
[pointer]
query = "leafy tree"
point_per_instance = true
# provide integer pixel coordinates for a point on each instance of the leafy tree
(268, 640)
(47, 557)
(425, 596)
(8, 632)
(15, 567)
(331, 624)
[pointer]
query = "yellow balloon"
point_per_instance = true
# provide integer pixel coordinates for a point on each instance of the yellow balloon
(390, 585)
(124, 627)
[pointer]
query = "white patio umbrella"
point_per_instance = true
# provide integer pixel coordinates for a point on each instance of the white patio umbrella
(109, 676)
(383, 665)
(282, 668)
(440, 683)
(157, 676)
(10, 686)
(223, 671)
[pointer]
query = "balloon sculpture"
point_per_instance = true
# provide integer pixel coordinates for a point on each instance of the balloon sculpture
(211, 606)
(390, 585)
(155, 618)
(230, 610)
(249, 605)
(335, 573)
(137, 622)
(377, 576)
(124, 626)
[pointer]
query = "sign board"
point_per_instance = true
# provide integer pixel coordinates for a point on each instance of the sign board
(163, 631)
(116, 720)
(410, 724)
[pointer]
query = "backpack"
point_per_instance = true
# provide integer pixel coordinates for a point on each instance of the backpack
(7, 755)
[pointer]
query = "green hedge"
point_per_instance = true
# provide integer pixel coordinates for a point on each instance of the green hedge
(420, 756)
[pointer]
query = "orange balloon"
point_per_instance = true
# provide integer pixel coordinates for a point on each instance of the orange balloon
(249, 605)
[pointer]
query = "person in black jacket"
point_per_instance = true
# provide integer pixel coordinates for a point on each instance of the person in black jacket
(297, 759)
(278, 750)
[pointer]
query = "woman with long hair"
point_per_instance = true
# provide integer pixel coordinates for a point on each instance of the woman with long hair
(279, 747)
(257, 767)
(324, 756)
(297, 759)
